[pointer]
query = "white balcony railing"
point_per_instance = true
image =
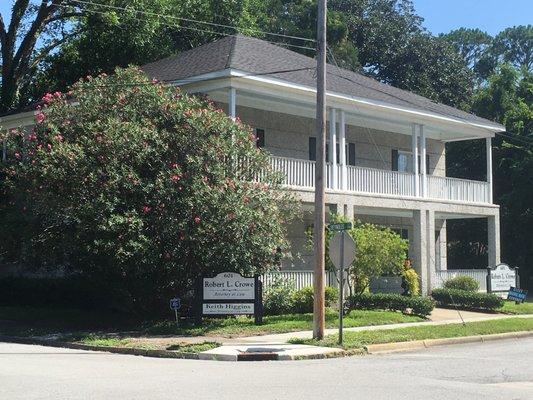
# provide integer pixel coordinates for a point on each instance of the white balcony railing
(379, 181)
(440, 187)
(301, 173)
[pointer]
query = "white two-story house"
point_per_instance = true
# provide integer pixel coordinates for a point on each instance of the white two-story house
(385, 152)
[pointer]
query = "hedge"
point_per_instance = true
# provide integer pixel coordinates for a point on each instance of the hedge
(75, 291)
(389, 301)
(462, 282)
(466, 299)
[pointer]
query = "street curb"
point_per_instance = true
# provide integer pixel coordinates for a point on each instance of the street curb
(421, 344)
(117, 350)
(382, 348)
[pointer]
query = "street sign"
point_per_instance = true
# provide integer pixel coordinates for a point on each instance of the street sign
(341, 254)
(343, 226)
(335, 247)
(175, 303)
(516, 294)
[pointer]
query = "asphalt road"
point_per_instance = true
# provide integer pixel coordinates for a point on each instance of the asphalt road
(493, 370)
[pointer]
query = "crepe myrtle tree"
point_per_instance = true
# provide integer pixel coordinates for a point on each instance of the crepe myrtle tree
(132, 182)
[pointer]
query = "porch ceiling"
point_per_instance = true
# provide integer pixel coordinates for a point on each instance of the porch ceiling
(301, 102)
(405, 213)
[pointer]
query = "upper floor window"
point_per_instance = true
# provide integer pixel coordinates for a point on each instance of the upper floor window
(349, 148)
(402, 161)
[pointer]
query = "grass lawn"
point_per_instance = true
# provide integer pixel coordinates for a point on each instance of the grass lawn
(244, 326)
(512, 308)
(356, 340)
(26, 321)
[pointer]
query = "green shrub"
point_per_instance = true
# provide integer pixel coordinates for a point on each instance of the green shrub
(134, 186)
(466, 299)
(74, 291)
(389, 301)
(462, 282)
(278, 297)
(303, 299)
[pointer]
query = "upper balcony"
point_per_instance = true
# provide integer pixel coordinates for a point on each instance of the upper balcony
(300, 174)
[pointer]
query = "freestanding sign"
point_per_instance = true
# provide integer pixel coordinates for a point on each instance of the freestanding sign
(230, 293)
(341, 254)
(502, 278)
(517, 295)
(175, 304)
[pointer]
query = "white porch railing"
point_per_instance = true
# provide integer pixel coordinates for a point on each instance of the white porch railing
(299, 279)
(480, 275)
(440, 187)
(301, 173)
(380, 181)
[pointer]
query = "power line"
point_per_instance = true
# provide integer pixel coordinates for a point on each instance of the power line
(192, 20)
(195, 29)
(521, 139)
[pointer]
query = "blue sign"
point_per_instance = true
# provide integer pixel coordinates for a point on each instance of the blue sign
(516, 294)
(175, 303)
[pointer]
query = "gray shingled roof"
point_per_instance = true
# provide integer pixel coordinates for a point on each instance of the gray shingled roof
(256, 56)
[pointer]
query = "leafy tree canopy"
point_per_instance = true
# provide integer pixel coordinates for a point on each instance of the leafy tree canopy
(142, 186)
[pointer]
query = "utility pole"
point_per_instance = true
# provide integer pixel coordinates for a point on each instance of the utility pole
(320, 206)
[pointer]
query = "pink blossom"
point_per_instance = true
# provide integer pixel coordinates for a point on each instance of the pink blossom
(197, 220)
(57, 94)
(17, 156)
(146, 209)
(39, 118)
(175, 178)
(59, 138)
(154, 81)
(47, 98)
(49, 146)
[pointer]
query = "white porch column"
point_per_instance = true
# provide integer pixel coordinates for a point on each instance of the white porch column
(342, 149)
(333, 148)
(423, 159)
(232, 103)
(419, 248)
(441, 247)
(431, 256)
(414, 152)
(494, 239)
(489, 166)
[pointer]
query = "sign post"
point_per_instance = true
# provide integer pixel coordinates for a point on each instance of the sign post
(341, 254)
(175, 304)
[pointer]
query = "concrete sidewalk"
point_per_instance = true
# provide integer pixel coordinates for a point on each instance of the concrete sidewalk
(439, 316)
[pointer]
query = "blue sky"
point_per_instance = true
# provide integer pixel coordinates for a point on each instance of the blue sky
(441, 16)
(493, 16)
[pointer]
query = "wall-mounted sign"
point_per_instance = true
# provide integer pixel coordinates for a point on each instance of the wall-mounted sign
(230, 293)
(501, 278)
